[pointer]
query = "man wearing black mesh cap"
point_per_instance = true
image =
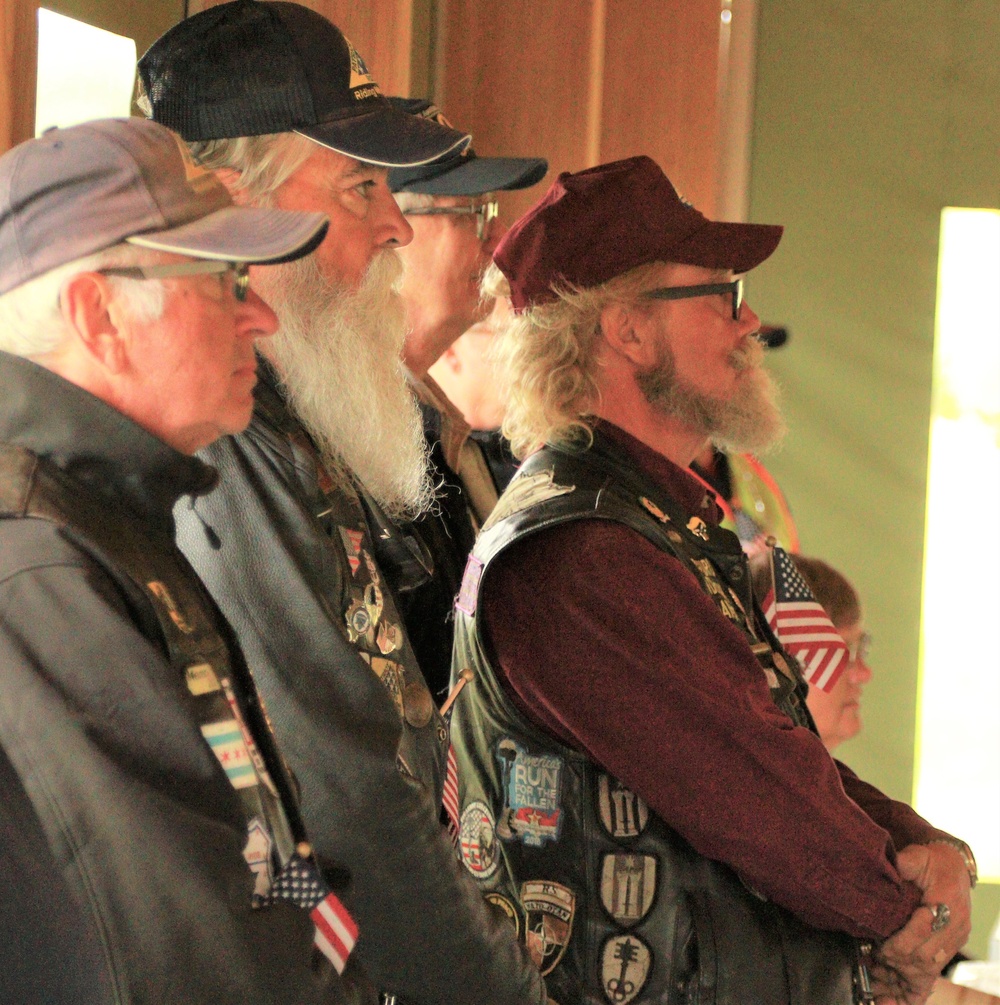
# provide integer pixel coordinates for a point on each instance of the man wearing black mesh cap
(278, 102)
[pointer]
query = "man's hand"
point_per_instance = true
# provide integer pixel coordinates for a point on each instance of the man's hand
(907, 964)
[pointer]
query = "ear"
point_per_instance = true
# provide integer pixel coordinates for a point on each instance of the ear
(627, 334)
(89, 311)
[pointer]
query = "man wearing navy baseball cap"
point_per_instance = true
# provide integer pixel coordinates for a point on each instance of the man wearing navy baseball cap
(636, 755)
(127, 333)
(274, 98)
(451, 203)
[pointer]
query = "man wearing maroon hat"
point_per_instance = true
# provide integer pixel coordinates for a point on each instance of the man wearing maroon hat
(640, 782)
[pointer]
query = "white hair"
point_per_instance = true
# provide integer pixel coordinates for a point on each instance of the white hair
(31, 321)
(412, 200)
(262, 163)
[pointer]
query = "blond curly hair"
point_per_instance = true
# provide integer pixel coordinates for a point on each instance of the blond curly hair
(546, 359)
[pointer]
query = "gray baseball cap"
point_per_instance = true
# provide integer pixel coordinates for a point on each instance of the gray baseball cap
(73, 192)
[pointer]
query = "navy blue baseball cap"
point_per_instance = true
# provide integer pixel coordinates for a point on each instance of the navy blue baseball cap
(251, 67)
(462, 172)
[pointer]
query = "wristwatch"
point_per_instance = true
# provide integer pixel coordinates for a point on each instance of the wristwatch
(967, 857)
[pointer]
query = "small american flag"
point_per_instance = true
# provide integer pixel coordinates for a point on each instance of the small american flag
(336, 931)
(803, 627)
(450, 801)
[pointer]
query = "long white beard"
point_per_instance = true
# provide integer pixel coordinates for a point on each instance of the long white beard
(337, 352)
(748, 420)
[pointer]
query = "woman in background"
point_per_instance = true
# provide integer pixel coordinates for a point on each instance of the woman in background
(837, 713)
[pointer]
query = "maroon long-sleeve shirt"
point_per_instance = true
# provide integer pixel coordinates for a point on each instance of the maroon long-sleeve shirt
(611, 645)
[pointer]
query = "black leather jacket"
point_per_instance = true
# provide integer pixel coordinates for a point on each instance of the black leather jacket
(296, 576)
(100, 721)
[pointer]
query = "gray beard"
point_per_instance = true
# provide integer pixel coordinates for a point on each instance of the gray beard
(337, 352)
(748, 421)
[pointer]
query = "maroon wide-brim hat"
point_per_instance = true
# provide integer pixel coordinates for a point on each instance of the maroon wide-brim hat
(597, 224)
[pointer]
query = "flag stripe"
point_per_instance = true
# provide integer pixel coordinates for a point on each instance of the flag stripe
(336, 931)
(802, 625)
(450, 801)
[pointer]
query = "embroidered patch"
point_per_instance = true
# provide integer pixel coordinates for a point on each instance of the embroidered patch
(531, 812)
(622, 812)
(625, 966)
(362, 83)
(477, 840)
(549, 909)
(467, 596)
(226, 740)
(257, 852)
(200, 679)
(391, 675)
(529, 490)
(628, 886)
(160, 591)
(352, 547)
(389, 638)
(507, 906)
(723, 597)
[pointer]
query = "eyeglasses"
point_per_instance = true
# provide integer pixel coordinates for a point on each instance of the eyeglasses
(485, 214)
(861, 648)
(683, 292)
(240, 272)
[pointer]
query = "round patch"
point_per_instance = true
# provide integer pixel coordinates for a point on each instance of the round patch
(507, 906)
(478, 840)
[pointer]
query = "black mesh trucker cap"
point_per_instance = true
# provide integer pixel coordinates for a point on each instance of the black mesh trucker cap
(251, 67)
(462, 172)
(73, 192)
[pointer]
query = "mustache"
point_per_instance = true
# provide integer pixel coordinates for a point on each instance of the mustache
(747, 356)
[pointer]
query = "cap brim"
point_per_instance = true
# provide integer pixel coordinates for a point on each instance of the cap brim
(736, 246)
(242, 234)
(772, 336)
(471, 176)
(388, 137)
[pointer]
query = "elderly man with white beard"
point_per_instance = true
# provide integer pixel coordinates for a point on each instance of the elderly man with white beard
(274, 99)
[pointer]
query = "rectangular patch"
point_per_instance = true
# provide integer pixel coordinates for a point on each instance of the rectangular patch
(200, 678)
(226, 741)
(468, 595)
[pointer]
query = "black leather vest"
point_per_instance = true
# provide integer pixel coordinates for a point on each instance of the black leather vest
(615, 906)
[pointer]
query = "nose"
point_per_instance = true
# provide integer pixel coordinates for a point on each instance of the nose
(255, 318)
(391, 228)
(748, 321)
(861, 672)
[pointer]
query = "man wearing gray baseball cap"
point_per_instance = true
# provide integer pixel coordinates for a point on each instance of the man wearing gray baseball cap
(127, 332)
(273, 97)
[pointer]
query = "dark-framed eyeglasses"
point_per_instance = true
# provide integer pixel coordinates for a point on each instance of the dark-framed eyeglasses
(485, 213)
(240, 270)
(735, 288)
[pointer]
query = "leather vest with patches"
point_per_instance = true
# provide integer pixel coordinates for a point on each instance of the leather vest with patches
(614, 905)
(370, 544)
(170, 607)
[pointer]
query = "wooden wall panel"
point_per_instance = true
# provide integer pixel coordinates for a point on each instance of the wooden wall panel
(18, 49)
(515, 74)
(380, 31)
(585, 82)
(659, 90)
